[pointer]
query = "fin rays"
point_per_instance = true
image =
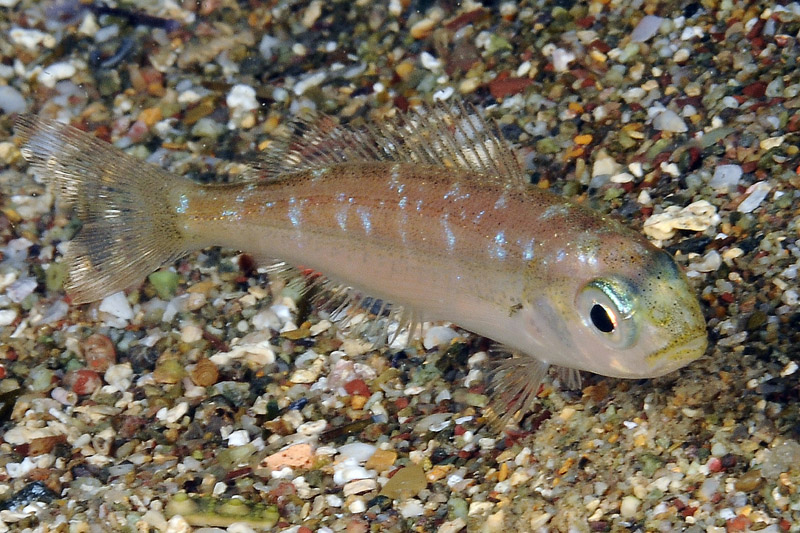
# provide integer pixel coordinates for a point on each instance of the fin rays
(456, 136)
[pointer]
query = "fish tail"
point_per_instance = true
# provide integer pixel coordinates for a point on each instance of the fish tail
(129, 227)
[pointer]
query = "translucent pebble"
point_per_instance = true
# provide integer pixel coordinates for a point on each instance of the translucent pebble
(646, 28)
(56, 72)
(359, 451)
(7, 316)
(669, 120)
(726, 178)
(411, 508)
(21, 289)
(117, 305)
(781, 458)
(439, 336)
(11, 100)
(756, 194)
(406, 483)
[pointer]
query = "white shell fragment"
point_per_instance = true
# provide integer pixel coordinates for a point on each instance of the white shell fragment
(756, 194)
(697, 216)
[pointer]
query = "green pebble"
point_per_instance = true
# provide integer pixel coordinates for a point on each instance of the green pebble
(458, 508)
(165, 282)
(496, 44)
(55, 276)
(547, 146)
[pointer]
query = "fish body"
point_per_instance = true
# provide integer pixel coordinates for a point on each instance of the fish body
(434, 225)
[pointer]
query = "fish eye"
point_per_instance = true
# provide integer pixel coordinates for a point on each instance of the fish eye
(603, 318)
(606, 307)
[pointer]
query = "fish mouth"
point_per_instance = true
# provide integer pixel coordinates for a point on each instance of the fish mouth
(674, 356)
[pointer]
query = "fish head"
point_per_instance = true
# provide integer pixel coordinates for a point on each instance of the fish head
(625, 309)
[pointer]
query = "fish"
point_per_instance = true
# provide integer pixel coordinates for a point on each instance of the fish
(429, 210)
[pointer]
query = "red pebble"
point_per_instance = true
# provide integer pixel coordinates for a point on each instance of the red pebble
(82, 381)
(740, 523)
(714, 464)
(357, 387)
(99, 352)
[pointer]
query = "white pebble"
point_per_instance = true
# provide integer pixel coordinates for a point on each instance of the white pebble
(561, 59)
(756, 194)
(439, 336)
(411, 507)
(11, 100)
(789, 369)
(7, 316)
(629, 506)
(358, 451)
(646, 28)
(174, 414)
(191, 333)
(349, 470)
(56, 72)
(359, 486)
(117, 305)
(238, 438)
(21, 289)
(311, 81)
(710, 263)
(357, 506)
(771, 142)
(697, 216)
(267, 45)
(726, 178)
(669, 120)
(31, 39)
(8, 3)
(242, 97)
(605, 165)
(430, 62)
(119, 376)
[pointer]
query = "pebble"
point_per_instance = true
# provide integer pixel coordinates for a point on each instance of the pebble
(117, 305)
(8, 316)
(358, 451)
(349, 470)
(726, 178)
(31, 39)
(56, 72)
(439, 336)
(295, 456)
(11, 100)
(605, 165)
(21, 289)
(561, 59)
(82, 381)
(405, 483)
(756, 194)
(629, 506)
(669, 120)
(411, 508)
(359, 486)
(646, 28)
(697, 216)
(99, 352)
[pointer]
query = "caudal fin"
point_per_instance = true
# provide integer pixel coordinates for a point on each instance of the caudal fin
(129, 227)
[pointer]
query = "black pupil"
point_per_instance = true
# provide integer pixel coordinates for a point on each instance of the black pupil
(600, 318)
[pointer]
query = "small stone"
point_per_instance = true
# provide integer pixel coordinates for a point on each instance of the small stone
(750, 481)
(7, 316)
(726, 178)
(405, 483)
(295, 456)
(11, 100)
(669, 120)
(561, 59)
(359, 451)
(646, 28)
(117, 305)
(439, 336)
(629, 506)
(56, 72)
(204, 373)
(99, 352)
(165, 282)
(381, 460)
(82, 381)
(359, 486)
(411, 508)
(169, 370)
(756, 194)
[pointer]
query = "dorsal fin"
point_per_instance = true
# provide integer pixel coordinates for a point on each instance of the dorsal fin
(456, 136)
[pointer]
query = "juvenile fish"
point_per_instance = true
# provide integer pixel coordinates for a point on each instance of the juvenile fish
(429, 211)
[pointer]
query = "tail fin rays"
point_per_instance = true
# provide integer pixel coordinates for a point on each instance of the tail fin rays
(129, 227)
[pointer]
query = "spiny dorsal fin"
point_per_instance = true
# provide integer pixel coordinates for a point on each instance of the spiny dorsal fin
(456, 136)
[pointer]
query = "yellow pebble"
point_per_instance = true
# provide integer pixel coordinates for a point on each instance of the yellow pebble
(358, 401)
(503, 474)
(583, 139)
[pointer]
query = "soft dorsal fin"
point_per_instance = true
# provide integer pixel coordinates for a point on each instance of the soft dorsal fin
(455, 136)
